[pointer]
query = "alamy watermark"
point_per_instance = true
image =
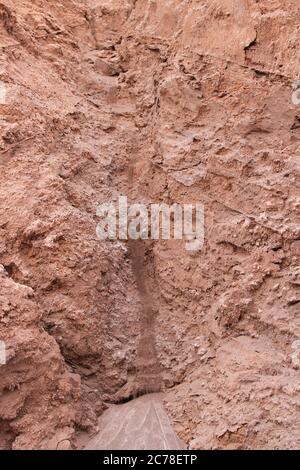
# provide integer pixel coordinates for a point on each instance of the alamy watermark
(121, 221)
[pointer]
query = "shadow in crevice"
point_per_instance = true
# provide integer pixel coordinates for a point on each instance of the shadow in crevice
(132, 396)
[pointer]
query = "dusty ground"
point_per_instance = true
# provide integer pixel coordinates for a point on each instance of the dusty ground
(163, 101)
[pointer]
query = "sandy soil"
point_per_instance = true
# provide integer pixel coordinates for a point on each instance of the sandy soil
(162, 101)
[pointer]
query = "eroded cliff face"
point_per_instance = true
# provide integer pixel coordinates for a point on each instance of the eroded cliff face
(161, 101)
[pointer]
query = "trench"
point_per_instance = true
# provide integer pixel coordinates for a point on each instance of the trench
(148, 370)
(140, 421)
(141, 254)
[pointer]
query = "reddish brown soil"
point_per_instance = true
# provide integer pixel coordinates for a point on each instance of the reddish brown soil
(163, 101)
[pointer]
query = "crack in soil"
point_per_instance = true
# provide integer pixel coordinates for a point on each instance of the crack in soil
(148, 368)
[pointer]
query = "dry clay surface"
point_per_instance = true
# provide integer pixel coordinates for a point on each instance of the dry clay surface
(170, 101)
(141, 424)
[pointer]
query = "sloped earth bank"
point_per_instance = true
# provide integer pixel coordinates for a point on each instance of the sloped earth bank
(162, 101)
